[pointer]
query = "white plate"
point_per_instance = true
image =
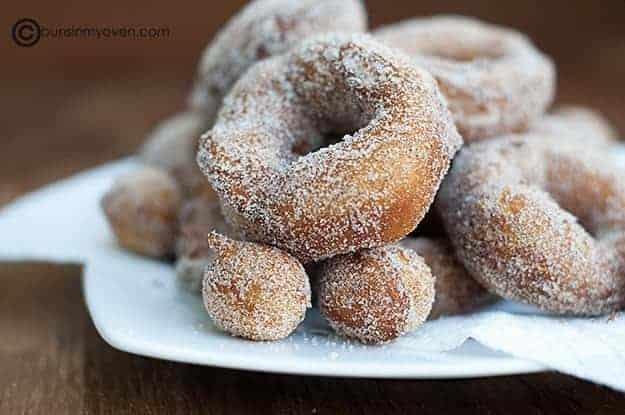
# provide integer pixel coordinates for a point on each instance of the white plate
(137, 307)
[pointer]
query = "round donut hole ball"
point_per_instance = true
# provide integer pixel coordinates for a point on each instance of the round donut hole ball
(172, 146)
(494, 79)
(456, 291)
(142, 210)
(376, 295)
(198, 217)
(265, 28)
(254, 291)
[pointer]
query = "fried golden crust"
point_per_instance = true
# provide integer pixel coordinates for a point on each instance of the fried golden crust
(494, 79)
(368, 190)
(540, 219)
(142, 209)
(262, 29)
(375, 295)
(253, 290)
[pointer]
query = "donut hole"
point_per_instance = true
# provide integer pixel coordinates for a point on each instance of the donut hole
(330, 129)
(572, 202)
(461, 51)
(301, 148)
(580, 190)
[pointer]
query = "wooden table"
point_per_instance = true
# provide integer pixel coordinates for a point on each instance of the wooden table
(52, 361)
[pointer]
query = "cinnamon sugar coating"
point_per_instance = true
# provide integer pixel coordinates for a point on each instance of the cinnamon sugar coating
(172, 146)
(369, 189)
(262, 29)
(456, 291)
(254, 291)
(494, 79)
(375, 295)
(541, 220)
(142, 209)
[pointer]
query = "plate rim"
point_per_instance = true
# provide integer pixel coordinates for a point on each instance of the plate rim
(496, 365)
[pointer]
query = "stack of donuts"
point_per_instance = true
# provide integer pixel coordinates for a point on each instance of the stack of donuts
(311, 151)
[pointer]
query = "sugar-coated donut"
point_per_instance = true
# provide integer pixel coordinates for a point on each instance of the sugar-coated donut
(253, 290)
(572, 121)
(456, 291)
(142, 209)
(375, 295)
(369, 189)
(172, 146)
(494, 79)
(540, 220)
(265, 28)
(197, 217)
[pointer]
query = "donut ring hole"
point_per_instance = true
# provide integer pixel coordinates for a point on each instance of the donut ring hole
(339, 114)
(302, 148)
(494, 78)
(454, 43)
(331, 129)
(586, 194)
(452, 48)
(568, 182)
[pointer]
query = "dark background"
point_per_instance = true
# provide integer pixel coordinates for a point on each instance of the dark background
(70, 104)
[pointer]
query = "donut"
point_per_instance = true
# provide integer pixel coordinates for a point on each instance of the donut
(494, 79)
(265, 28)
(142, 209)
(197, 217)
(371, 188)
(540, 220)
(375, 295)
(578, 122)
(172, 146)
(456, 291)
(254, 291)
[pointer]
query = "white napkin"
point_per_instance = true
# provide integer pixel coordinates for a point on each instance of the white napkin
(62, 222)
